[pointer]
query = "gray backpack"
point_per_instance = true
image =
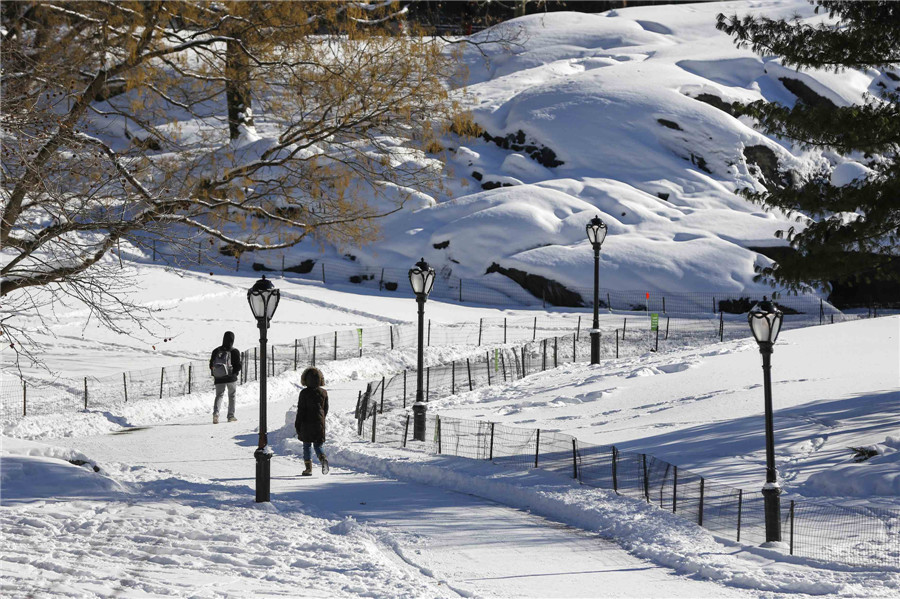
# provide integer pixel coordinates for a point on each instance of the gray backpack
(221, 364)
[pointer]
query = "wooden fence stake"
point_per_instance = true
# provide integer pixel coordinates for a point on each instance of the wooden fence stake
(537, 447)
(162, 376)
(125, 386)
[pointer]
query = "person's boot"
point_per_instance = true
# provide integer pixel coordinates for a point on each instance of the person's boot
(215, 419)
(308, 471)
(324, 461)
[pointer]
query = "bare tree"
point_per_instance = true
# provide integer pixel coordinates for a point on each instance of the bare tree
(117, 131)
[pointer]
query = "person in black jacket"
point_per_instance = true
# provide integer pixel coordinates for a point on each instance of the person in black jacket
(225, 366)
(312, 408)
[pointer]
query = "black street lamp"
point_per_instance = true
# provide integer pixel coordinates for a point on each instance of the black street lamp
(421, 278)
(263, 298)
(596, 232)
(765, 322)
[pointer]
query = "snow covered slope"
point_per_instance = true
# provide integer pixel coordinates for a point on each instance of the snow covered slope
(624, 114)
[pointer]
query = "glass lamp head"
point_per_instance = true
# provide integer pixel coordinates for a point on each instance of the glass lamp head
(596, 231)
(765, 321)
(263, 299)
(421, 278)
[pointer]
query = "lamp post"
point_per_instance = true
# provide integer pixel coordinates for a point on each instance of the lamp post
(263, 299)
(421, 278)
(765, 322)
(596, 232)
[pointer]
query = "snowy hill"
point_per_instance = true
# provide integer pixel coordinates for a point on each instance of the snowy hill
(624, 114)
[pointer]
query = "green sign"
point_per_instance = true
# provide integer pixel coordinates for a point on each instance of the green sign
(654, 322)
(359, 332)
(496, 360)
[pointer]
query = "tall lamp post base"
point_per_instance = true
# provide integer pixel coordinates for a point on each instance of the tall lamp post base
(263, 478)
(419, 409)
(772, 505)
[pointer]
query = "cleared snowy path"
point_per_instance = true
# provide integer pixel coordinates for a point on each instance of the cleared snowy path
(471, 545)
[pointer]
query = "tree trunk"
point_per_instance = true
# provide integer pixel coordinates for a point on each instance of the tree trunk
(237, 89)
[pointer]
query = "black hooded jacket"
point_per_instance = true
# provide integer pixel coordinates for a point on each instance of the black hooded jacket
(312, 407)
(228, 344)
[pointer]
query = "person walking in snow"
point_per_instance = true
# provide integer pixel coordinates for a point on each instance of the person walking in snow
(225, 366)
(312, 408)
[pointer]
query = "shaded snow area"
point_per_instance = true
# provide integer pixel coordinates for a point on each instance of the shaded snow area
(164, 505)
(626, 115)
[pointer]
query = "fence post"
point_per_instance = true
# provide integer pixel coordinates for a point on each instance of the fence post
(480, 325)
(405, 430)
(675, 490)
(667, 327)
(615, 467)
(429, 333)
(646, 478)
(624, 326)
(392, 336)
(162, 375)
(664, 304)
(381, 281)
(438, 432)
(503, 364)
(25, 397)
(555, 352)
(608, 302)
(404, 389)
(574, 459)
(190, 372)
(537, 447)
(335, 346)
(295, 354)
(574, 349)
(504, 330)
(374, 420)
(578, 328)
(700, 510)
(523, 362)
(792, 527)
(323, 272)
(544, 358)
(821, 311)
(381, 408)
(488, 356)
(714, 304)
(617, 343)
(469, 369)
(460, 291)
(491, 454)
(534, 332)
(453, 378)
(740, 510)
(85, 394)
(125, 386)
(721, 326)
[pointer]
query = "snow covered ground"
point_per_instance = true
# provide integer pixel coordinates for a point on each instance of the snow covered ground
(153, 500)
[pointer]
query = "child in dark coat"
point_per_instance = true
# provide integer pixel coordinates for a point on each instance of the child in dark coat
(312, 408)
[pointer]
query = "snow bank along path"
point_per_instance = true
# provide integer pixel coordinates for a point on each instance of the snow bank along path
(174, 514)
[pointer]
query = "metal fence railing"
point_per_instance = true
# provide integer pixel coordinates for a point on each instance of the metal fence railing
(622, 334)
(820, 529)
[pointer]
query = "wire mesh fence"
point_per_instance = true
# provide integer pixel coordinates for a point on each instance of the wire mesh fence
(562, 338)
(858, 535)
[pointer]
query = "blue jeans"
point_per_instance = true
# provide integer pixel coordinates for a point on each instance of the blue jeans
(306, 452)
